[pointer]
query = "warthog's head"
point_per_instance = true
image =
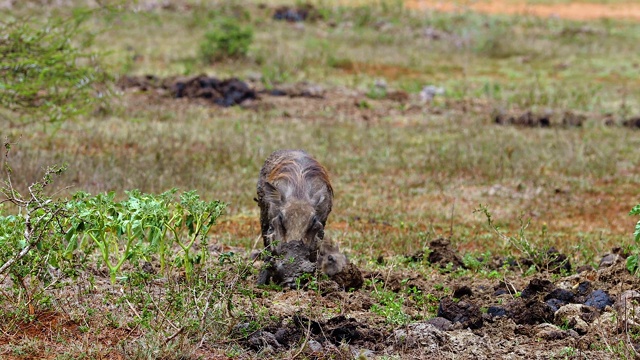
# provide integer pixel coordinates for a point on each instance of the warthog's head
(295, 219)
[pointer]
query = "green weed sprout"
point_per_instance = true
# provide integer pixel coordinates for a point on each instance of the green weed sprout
(634, 259)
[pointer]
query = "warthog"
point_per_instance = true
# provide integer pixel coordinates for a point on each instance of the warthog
(295, 199)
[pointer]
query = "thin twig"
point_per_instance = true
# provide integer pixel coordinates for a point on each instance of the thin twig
(174, 335)
(306, 339)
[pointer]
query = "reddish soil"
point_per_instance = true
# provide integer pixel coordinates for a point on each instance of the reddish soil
(573, 10)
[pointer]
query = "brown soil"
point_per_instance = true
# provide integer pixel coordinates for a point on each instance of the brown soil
(574, 10)
(536, 316)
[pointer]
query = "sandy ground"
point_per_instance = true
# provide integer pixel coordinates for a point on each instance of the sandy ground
(573, 10)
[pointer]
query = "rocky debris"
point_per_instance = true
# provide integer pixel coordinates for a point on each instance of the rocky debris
(496, 311)
(300, 13)
(263, 340)
(227, 92)
(301, 89)
(546, 118)
(633, 122)
(441, 254)
(504, 288)
(610, 260)
(527, 118)
(350, 278)
(535, 287)
(529, 312)
(440, 323)
(551, 332)
(420, 334)
(429, 92)
(467, 314)
(599, 299)
(556, 262)
(575, 316)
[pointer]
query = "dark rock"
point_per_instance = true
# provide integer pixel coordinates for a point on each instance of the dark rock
(529, 312)
(609, 260)
(535, 287)
(633, 122)
(296, 14)
(555, 304)
(466, 313)
(583, 288)
(340, 329)
(599, 299)
(440, 323)
(263, 339)
(496, 311)
(504, 288)
(560, 294)
(584, 268)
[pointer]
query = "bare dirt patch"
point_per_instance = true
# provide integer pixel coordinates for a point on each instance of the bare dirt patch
(570, 10)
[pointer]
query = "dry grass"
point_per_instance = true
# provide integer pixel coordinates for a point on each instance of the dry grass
(411, 169)
(403, 173)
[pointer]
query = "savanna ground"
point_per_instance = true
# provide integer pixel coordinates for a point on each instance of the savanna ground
(405, 170)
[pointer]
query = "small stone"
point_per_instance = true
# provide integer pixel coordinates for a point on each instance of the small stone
(440, 323)
(599, 299)
(496, 311)
(314, 346)
(550, 332)
(609, 260)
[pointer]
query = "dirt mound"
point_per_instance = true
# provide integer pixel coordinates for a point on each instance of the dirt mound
(227, 92)
(530, 118)
(472, 313)
(300, 13)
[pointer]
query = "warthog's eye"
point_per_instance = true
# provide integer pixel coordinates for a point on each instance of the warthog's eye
(314, 222)
(281, 221)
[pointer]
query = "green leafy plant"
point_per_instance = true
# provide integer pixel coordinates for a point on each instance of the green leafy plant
(32, 235)
(195, 217)
(541, 257)
(633, 260)
(143, 224)
(47, 72)
(227, 39)
(376, 92)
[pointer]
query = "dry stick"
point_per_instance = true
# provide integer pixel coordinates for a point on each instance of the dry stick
(453, 207)
(133, 309)
(173, 336)
(306, 339)
(164, 316)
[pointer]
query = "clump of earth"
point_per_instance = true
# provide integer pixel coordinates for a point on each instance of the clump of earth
(516, 317)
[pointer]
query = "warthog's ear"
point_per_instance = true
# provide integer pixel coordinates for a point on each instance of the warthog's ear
(318, 197)
(272, 194)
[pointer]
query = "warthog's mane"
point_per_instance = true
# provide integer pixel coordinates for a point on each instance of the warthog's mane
(299, 176)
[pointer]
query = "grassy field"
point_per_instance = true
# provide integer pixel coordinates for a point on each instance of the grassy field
(405, 172)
